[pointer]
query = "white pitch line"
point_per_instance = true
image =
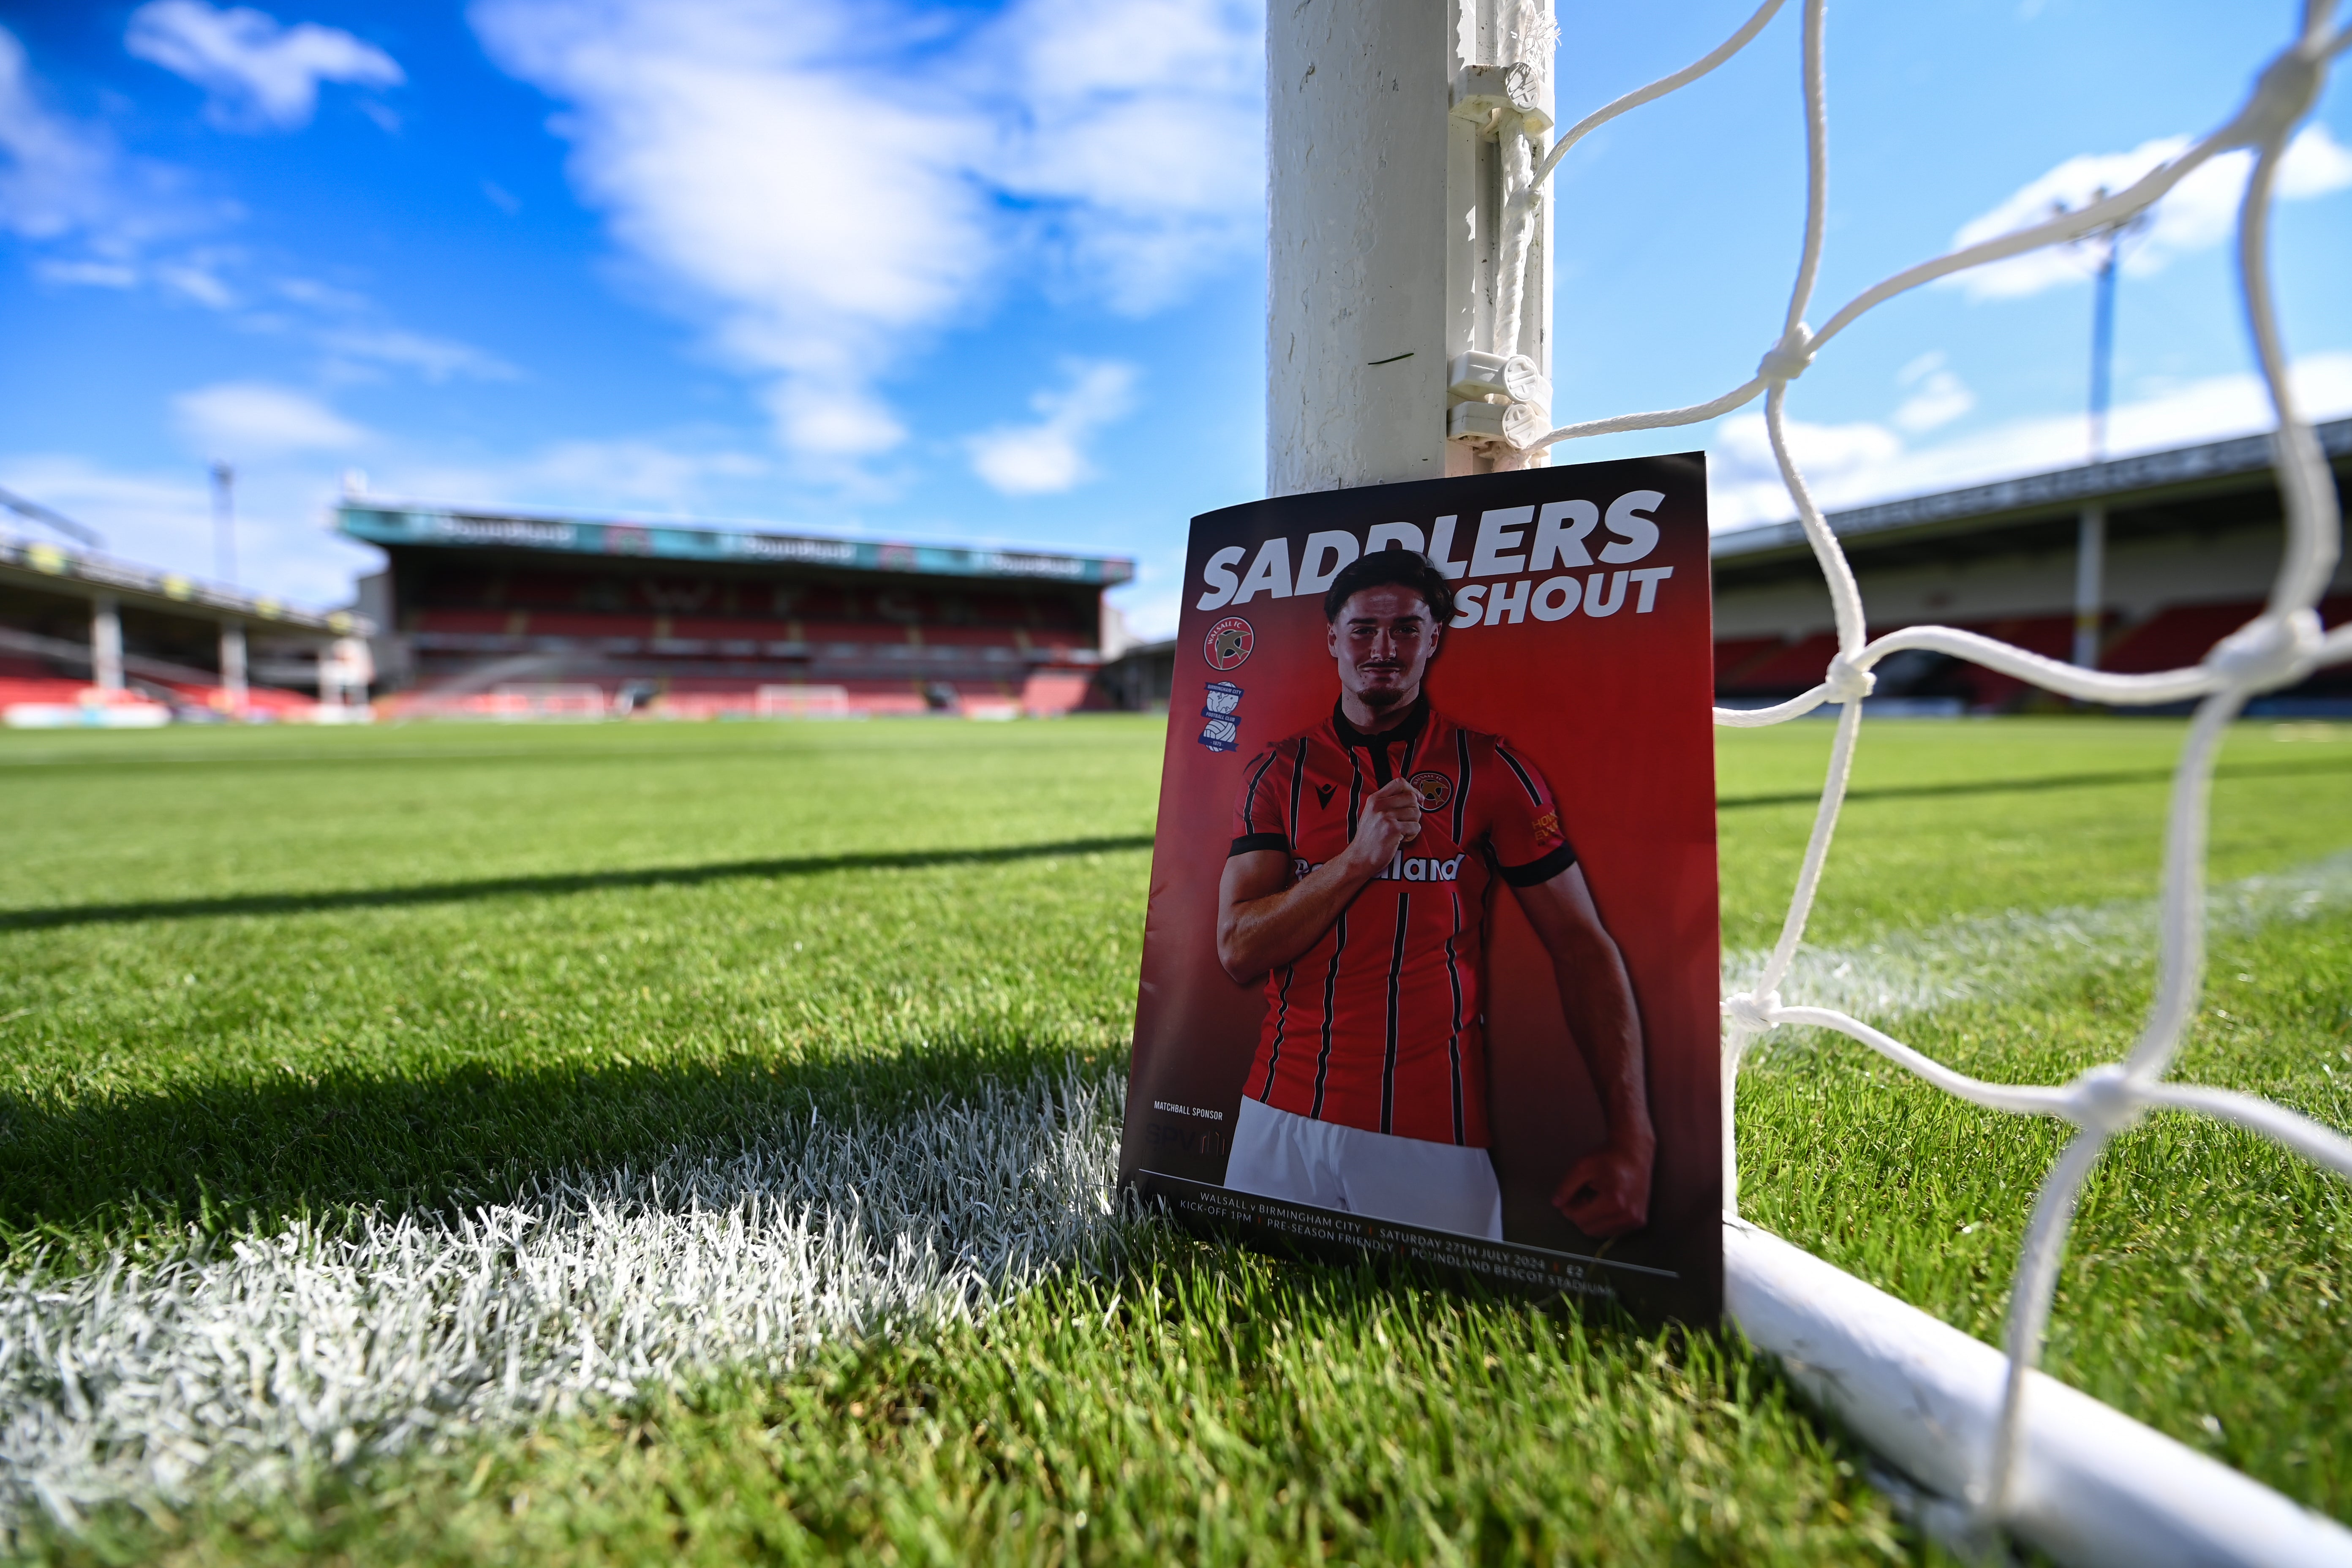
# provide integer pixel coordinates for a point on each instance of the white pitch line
(251, 1364)
(1991, 957)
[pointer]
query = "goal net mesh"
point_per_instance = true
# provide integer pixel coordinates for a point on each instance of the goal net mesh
(2278, 647)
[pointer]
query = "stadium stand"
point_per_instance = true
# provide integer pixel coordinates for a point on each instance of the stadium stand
(687, 622)
(2192, 537)
(88, 638)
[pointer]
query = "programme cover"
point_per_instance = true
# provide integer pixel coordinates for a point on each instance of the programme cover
(1433, 920)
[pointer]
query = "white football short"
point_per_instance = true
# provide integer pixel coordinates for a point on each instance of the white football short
(1280, 1154)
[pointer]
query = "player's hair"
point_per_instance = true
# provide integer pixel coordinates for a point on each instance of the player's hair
(1396, 564)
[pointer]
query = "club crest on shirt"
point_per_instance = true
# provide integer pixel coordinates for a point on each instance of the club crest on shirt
(1433, 788)
(1228, 644)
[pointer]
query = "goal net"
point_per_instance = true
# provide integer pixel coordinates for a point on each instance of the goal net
(2278, 647)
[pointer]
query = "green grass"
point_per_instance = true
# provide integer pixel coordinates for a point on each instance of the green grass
(248, 976)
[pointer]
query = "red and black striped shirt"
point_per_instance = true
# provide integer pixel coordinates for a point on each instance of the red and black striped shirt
(1379, 1026)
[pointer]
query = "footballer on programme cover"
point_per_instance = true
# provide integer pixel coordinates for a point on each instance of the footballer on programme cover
(1430, 965)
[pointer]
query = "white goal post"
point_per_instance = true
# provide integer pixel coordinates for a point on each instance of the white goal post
(1409, 148)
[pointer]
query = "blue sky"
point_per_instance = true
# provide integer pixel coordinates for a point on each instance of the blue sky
(994, 271)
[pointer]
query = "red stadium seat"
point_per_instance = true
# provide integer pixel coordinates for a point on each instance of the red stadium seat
(1794, 668)
(1733, 655)
(709, 628)
(475, 623)
(860, 632)
(2053, 635)
(969, 636)
(2176, 636)
(16, 688)
(589, 623)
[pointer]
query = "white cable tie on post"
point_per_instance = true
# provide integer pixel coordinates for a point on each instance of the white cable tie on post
(1524, 381)
(1522, 424)
(1474, 422)
(1478, 375)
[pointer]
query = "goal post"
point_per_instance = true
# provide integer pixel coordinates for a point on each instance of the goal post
(1405, 235)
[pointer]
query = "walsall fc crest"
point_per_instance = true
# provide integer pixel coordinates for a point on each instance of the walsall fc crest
(1228, 644)
(1433, 788)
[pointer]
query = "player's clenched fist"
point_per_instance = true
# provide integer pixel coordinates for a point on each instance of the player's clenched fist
(1391, 817)
(1607, 1192)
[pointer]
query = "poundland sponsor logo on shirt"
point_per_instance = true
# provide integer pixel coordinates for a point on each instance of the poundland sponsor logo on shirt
(1401, 868)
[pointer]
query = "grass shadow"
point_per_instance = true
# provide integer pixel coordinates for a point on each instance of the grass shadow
(553, 885)
(111, 1170)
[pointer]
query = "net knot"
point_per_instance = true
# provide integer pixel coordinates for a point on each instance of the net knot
(2283, 93)
(1848, 681)
(1750, 1011)
(2269, 650)
(1787, 360)
(2104, 1100)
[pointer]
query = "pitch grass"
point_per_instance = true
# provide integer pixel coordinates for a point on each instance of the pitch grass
(244, 975)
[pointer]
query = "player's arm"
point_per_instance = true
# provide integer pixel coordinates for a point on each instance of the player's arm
(1261, 923)
(1607, 1192)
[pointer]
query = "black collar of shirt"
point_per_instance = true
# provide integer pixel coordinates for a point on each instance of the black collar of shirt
(1404, 734)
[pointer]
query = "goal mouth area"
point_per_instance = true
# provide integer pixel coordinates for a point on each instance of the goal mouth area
(2002, 1445)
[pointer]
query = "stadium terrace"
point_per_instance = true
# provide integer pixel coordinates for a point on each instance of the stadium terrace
(511, 615)
(88, 640)
(2189, 538)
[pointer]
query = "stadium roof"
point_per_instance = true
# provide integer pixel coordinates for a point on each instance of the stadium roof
(52, 568)
(2171, 481)
(398, 524)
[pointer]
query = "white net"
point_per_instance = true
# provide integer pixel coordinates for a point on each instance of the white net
(2278, 647)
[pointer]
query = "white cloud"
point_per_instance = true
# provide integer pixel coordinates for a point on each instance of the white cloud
(196, 277)
(241, 419)
(1143, 119)
(163, 519)
(323, 296)
(88, 274)
(2316, 165)
(742, 150)
(2198, 214)
(259, 73)
(826, 200)
(1154, 603)
(637, 472)
(435, 358)
(1049, 456)
(666, 475)
(56, 172)
(1854, 465)
(63, 182)
(1939, 397)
